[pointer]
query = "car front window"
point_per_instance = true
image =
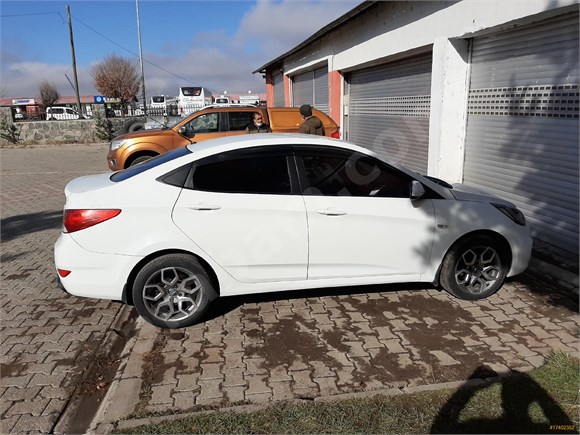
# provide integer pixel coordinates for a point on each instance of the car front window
(351, 175)
(206, 123)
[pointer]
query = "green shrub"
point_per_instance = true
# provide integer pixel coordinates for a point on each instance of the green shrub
(103, 128)
(9, 131)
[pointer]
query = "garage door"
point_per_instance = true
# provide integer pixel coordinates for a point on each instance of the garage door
(388, 110)
(311, 88)
(522, 130)
(279, 99)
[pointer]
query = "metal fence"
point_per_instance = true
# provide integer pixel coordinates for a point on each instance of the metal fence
(57, 113)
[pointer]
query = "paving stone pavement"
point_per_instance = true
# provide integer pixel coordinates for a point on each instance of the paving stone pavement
(257, 349)
(47, 338)
(313, 344)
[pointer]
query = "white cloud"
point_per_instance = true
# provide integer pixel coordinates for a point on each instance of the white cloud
(23, 78)
(216, 60)
(277, 27)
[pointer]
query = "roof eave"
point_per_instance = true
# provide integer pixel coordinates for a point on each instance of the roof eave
(329, 27)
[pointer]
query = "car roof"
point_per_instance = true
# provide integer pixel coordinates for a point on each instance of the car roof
(229, 143)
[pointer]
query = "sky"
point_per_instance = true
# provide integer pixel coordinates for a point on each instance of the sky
(216, 44)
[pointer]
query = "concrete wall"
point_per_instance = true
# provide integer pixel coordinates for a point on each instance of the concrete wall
(388, 31)
(60, 132)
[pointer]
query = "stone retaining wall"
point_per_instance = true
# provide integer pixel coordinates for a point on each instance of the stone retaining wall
(60, 132)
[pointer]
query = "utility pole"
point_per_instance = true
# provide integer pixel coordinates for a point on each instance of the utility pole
(141, 59)
(74, 63)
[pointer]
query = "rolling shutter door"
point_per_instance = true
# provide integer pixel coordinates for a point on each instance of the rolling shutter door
(279, 98)
(321, 89)
(522, 129)
(311, 88)
(389, 108)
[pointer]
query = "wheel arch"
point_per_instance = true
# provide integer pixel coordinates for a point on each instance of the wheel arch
(505, 245)
(128, 294)
(136, 155)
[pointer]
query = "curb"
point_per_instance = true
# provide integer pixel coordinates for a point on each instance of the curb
(240, 409)
(72, 420)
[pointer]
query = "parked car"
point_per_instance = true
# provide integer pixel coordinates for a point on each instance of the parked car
(264, 213)
(61, 112)
(209, 123)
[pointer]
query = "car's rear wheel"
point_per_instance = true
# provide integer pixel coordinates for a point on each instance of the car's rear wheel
(474, 268)
(172, 291)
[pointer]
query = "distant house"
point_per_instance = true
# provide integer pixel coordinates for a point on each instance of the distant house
(484, 93)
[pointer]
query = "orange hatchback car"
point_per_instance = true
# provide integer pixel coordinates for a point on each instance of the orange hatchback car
(209, 123)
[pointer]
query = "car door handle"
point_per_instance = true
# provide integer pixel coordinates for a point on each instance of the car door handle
(331, 212)
(204, 207)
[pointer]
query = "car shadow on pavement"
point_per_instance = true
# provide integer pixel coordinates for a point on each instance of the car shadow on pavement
(223, 306)
(549, 291)
(519, 395)
(16, 226)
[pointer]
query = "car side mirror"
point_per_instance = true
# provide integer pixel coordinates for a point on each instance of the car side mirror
(417, 190)
(183, 130)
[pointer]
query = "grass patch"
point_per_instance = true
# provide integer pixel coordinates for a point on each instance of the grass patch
(542, 401)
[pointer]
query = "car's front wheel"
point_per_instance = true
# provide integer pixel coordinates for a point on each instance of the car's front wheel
(172, 291)
(140, 159)
(474, 268)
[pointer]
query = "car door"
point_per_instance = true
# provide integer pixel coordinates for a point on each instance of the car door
(246, 212)
(361, 219)
(202, 127)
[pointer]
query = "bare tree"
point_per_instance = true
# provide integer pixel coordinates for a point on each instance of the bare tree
(116, 77)
(48, 93)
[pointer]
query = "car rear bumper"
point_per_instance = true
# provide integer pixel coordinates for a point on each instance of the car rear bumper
(93, 275)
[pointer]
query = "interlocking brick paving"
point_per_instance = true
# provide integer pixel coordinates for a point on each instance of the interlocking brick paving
(48, 338)
(309, 344)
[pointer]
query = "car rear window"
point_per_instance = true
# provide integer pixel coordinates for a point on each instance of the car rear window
(151, 163)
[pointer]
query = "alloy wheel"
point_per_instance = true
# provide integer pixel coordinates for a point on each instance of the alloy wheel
(478, 269)
(172, 294)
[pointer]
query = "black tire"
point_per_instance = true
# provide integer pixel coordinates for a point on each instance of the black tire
(474, 268)
(170, 279)
(136, 127)
(141, 159)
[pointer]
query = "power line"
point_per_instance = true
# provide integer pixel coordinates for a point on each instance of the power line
(136, 55)
(111, 41)
(38, 13)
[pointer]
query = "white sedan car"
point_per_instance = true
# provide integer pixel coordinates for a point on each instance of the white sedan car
(265, 213)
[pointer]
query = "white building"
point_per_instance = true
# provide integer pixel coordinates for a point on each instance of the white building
(480, 92)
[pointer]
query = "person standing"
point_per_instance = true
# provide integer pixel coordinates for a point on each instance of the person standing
(310, 124)
(258, 126)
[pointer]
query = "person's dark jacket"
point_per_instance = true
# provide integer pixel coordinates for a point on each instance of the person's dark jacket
(253, 128)
(312, 125)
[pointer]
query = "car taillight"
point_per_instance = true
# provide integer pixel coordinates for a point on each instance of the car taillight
(335, 135)
(63, 272)
(79, 219)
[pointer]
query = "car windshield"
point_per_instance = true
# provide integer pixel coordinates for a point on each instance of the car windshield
(148, 164)
(191, 92)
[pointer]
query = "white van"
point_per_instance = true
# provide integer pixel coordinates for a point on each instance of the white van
(158, 102)
(222, 99)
